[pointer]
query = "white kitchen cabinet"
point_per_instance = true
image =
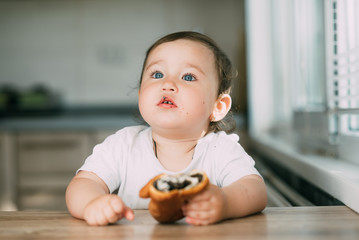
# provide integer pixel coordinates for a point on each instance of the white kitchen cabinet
(39, 156)
(7, 172)
(46, 162)
(56, 152)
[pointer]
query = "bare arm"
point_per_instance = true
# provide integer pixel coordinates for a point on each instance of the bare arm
(245, 196)
(241, 198)
(83, 188)
(88, 198)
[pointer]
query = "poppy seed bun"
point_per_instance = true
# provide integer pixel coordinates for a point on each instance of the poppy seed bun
(169, 192)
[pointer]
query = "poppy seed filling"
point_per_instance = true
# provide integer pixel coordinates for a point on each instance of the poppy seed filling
(181, 181)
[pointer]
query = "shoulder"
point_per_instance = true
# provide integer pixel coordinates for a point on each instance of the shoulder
(123, 138)
(228, 159)
(128, 133)
(132, 131)
(221, 139)
(222, 147)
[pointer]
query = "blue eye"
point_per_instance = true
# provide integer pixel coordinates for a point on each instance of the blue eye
(157, 75)
(188, 77)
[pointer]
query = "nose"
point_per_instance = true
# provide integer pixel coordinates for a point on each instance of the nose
(169, 86)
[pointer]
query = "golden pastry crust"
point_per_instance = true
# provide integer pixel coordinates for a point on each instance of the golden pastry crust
(165, 205)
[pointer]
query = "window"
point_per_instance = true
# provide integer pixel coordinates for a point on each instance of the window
(303, 85)
(331, 109)
(311, 70)
(343, 73)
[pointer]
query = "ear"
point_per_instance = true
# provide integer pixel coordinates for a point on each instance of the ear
(221, 107)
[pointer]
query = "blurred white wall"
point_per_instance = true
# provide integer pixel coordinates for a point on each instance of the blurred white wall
(91, 51)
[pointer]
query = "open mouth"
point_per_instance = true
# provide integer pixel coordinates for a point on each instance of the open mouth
(167, 102)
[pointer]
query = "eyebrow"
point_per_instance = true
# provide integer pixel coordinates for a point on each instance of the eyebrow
(190, 65)
(195, 67)
(153, 63)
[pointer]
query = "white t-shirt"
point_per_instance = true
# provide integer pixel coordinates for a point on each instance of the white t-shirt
(126, 160)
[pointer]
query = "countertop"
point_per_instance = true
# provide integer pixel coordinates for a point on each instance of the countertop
(80, 118)
(333, 222)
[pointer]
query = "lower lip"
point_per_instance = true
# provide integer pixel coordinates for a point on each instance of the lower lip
(167, 106)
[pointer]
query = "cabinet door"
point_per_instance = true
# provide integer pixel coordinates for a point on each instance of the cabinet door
(53, 152)
(47, 161)
(7, 172)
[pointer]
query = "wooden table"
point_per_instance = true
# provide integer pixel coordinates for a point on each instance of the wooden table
(335, 222)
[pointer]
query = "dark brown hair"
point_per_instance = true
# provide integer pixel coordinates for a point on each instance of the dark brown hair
(223, 65)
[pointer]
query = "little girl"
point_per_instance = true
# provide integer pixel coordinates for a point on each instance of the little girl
(184, 98)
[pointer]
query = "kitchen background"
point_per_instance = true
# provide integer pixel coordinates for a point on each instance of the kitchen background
(69, 74)
(91, 52)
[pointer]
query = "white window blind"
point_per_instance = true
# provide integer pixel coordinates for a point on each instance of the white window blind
(343, 74)
(343, 64)
(314, 70)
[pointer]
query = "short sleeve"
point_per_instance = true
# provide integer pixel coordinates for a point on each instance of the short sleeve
(109, 157)
(232, 161)
(102, 161)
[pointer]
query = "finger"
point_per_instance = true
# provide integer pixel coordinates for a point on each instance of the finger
(110, 214)
(94, 218)
(197, 206)
(90, 219)
(129, 214)
(203, 196)
(100, 219)
(197, 214)
(117, 204)
(121, 209)
(197, 222)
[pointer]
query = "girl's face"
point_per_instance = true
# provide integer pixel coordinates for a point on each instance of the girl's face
(179, 88)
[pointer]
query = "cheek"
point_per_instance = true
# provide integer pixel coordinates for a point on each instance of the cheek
(202, 106)
(143, 101)
(144, 93)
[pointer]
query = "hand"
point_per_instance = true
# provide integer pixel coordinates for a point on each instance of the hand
(206, 207)
(106, 209)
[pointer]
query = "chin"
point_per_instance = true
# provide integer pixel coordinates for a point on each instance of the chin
(163, 121)
(167, 126)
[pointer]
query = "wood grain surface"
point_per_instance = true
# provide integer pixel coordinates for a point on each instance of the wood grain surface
(334, 222)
